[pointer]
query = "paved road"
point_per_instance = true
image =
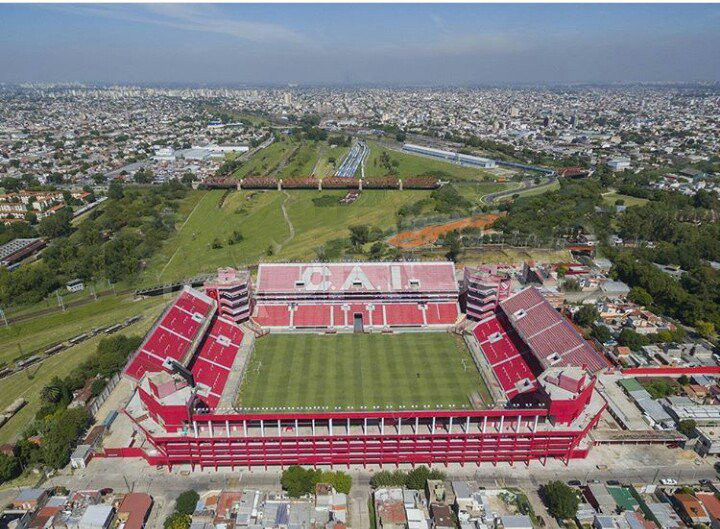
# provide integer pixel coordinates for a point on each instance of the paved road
(525, 186)
(626, 464)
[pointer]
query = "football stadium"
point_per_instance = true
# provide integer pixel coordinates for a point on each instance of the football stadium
(363, 364)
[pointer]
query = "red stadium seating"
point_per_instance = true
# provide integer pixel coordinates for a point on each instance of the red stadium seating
(403, 314)
(214, 361)
(442, 313)
(173, 336)
(273, 315)
(312, 316)
(193, 304)
(180, 322)
(505, 355)
(550, 336)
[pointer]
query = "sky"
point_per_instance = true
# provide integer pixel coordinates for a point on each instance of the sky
(330, 44)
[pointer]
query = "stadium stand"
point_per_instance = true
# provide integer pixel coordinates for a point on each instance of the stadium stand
(552, 339)
(175, 335)
(506, 355)
(272, 315)
(213, 362)
(335, 295)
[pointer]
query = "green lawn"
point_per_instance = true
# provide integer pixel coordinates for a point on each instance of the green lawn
(20, 339)
(373, 371)
(267, 160)
(29, 383)
(258, 216)
(476, 190)
(613, 196)
(292, 159)
(415, 165)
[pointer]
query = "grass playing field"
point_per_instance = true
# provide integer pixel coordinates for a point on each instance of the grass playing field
(366, 371)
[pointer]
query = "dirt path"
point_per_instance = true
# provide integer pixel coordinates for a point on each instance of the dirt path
(291, 228)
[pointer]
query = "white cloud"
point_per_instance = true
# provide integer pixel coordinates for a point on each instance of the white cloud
(203, 18)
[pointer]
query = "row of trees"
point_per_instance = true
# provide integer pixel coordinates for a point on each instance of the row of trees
(414, 479)
(298, 481)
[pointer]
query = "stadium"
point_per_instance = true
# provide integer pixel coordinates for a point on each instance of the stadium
(360, 364)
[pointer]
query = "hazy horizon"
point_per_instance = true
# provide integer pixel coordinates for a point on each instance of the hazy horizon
(360, 44)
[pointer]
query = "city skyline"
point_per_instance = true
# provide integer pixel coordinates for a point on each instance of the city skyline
(410, 44)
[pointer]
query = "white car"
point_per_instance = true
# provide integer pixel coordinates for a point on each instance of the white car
(668, 481)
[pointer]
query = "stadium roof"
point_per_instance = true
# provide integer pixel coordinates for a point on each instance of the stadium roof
(550, 336)
(356, 277)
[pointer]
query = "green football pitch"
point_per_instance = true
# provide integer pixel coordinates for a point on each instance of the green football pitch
(305, 372)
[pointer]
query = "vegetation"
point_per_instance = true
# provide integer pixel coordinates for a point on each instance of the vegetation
(186, 502)
(687, 428)
(259, 217)
(586, 315)
(59, 426)
(372, 370)
(298, 481)
(659, 388)
(561, 499)
(110, 244)
(414, 479)
(385, 162)
(548, 216)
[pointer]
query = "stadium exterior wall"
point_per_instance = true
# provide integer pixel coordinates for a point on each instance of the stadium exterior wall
(479, 436)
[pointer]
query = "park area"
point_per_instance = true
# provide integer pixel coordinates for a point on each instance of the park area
(430, 234)
(273, 226)
(305, 372)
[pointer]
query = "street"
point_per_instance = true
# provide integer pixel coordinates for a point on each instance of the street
(627, 464)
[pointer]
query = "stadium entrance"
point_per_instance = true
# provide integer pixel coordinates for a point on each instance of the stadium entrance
(358, 323)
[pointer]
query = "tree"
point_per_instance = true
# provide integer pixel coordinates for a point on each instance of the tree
(586, 315)
(562, 500)
(57, 225)
(236, 237)
(9, 468)
(417, 477)
(601, 333)
(115, 190)
(359, 234)
(705, 328)
(296, 481)
(687, 428)
(452, 243)
(632, 339)
(640, 296)
(177, 521)
(186, 502)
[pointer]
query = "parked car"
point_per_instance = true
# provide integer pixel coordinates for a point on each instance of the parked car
(613, 483)
(574, 483)
(668, 481)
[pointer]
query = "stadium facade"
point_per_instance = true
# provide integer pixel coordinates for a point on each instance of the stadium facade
(188, 370)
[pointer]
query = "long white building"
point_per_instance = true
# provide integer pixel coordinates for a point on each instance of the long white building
(455, 157)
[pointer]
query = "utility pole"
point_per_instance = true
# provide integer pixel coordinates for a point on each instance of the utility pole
(2, 315)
